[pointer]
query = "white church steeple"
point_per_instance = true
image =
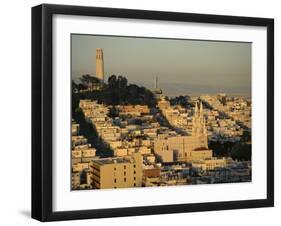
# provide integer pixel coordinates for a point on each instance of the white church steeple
(198, 121)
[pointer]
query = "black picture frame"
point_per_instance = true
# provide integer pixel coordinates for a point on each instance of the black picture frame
(42, 111)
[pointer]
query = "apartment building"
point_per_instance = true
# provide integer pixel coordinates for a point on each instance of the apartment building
(117, 172)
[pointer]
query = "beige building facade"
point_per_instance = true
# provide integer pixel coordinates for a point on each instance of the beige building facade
(117, 172)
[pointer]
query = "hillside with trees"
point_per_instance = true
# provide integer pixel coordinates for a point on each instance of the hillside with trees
(116, 91)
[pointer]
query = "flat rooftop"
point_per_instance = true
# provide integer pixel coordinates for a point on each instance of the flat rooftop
(105, 161)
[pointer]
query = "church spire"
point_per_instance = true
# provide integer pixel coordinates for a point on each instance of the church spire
(201, 108)
(196, 109)
(198, 121)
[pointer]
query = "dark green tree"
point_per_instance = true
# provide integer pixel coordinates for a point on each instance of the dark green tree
(122, 82)
(242, 152)
(88, 80)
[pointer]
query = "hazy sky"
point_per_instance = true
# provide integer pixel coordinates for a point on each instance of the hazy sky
(183, 67)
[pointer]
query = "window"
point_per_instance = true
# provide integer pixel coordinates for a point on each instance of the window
(134, 172)
(134, 165)
(125, 173)
(114, 168)
(124, 167)
(134, 178)
(125, 179)
(135, 184)
(115, 180)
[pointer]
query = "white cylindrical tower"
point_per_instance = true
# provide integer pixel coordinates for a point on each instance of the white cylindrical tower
(99, 64)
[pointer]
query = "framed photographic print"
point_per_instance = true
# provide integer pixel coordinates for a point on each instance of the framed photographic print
(146, 112)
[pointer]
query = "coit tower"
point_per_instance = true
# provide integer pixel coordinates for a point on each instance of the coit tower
(99, 64)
